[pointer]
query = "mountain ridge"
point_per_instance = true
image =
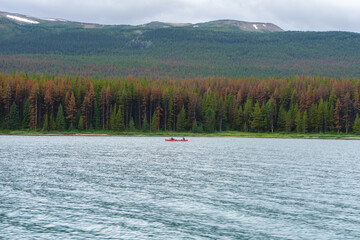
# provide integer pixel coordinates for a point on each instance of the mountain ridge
(225, 24)
(217, 48)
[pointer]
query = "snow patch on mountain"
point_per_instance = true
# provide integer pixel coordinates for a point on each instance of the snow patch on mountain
(21, 19)
(54, 20)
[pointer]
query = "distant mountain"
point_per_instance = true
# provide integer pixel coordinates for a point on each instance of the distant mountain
(222, 25)
(223, 48)
(243, 26)
(28, 20)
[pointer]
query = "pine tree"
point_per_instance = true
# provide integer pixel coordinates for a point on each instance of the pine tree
(2, 122)
(26, 119)
(171, 115)
(209, 120)
(356, 101)
(81, 124)
(289, 121)
(60, 120)
(158, 114)
(337, 116)
(270, 115)
(34, 106)
(14, 117)
(294, 97)
(245, 128)
(96, 119)
(238, 118)
(330, 118)
(71, 127)
(321, 115)
(314, 118)
(248, 109)
(356, 126)
(304, 122)
(298, 121)
(281, 120)
(181, 120)
(113, 118)
(200, 128)
(332, 99)
(220, 109)
(145, 125)
(119, 120)
(7, 100)
(132, 127)
(71, 109)
(347, 111)
(52, 123)
(46, 123)
(326, 116)
(86, 112)
(194, 128)
(257, 118)
(308, 97)
(153, 123)
(224, 122)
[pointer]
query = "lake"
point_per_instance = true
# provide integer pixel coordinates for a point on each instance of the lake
(105, 187)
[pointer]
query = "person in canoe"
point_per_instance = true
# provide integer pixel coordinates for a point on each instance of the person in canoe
(183, 138)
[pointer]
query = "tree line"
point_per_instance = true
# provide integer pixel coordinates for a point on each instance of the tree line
(300, 104)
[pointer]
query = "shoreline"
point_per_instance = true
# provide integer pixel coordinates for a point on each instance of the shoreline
(187, 134)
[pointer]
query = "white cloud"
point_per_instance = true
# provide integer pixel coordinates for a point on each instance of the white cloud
(288, 14)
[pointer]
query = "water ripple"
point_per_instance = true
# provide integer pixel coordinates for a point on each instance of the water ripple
(67, 187)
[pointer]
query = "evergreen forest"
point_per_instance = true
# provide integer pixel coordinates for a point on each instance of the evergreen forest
(301, 104)
(65, 48)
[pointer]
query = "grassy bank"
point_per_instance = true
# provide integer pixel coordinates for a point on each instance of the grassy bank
(186, 134)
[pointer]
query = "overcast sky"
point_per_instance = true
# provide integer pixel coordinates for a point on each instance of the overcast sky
(308, 15)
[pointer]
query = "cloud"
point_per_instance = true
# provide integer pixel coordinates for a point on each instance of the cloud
(289, 14)
(315, 15)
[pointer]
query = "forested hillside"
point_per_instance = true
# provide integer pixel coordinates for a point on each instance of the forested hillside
(295, 104)
(157, 51)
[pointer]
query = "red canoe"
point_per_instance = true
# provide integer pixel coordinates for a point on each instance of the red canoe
(176, 140)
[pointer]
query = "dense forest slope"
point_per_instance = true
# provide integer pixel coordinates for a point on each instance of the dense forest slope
(220, 48)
